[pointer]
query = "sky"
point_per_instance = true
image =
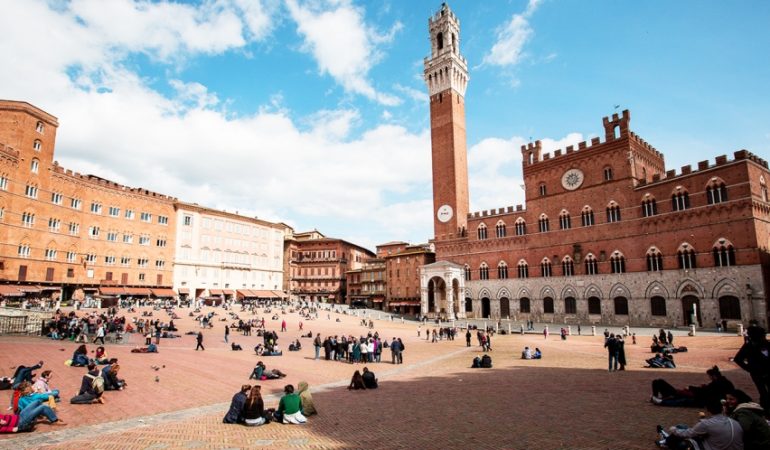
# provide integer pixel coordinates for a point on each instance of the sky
(315, 113)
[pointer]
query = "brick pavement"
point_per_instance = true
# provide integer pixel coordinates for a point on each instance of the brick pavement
(567, 400)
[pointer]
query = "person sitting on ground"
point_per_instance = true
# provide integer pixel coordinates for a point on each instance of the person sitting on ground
(538, 354)
(235, 413)
(254, 408)
(486, 362)
(42, 386)
(661, 361)
(235, 347)
(152, 348)
(756, 430)
(290, 407)
(259, 349)
(171, 326)
(357, 382)
(295, 346)
(370, 380)
(308, 407)
(664, 394)
(260, 372)
(526, 354)
(24, 373)
(111, 380)
(27, 395)
(100, 357)
(476, 364)
(91, 388)
(715, 431)
(80, 357)
(26, 419)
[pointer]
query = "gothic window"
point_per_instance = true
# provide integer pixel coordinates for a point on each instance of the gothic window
(716, 192)
(524, 305)
(729, 308)
(594, 305)
(686, 257)
(607, 173)
(654, 260)
(565, 223)
(548, 305)
(658, 306)
(680, 200)
(724, 254)
(467, 273)
(567, 267)
(613, 212)
(523, 269)
(542, 189)
(545, 268)
(570, 305)
(521, 227)
(618, 263)
(649, 207)
(502, 270)
(440, 41)
(543, 223)
(500, 229)
(592, 266)
(484, 272)
(482, 232)
(587, 217)
(621, 306)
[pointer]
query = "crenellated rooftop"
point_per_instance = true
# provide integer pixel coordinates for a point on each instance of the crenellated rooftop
(740, 155)
(102, 182)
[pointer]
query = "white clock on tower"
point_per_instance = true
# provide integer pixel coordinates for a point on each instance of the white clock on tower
(444, 213)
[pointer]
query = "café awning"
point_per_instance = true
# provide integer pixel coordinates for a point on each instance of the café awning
(112, 290)
(10, 291)
(163, 292)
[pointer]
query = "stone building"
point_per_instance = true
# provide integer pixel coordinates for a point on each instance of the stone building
(609, 235)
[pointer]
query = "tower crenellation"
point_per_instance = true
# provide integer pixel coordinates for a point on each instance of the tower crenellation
(446, 68)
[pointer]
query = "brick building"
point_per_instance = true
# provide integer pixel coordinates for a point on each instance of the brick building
(609, 235)
(67, 235)
(317, 266)
(403, 277)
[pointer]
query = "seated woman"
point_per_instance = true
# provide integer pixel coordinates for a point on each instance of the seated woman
(357, 382)
(260, 372)
(100, 357)
(254, 408)
(290, 407)
(370, 381)
(259, 349)
(664, 394)
(526, 354)
(665, 361)
(25, 420)
(308, 407)
(538, 354)
(80, 357)
(171, 326)
(111, 380)
(41, 386)
(235, 347)
(27, 395)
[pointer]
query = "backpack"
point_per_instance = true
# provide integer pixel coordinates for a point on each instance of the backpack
(97, 383)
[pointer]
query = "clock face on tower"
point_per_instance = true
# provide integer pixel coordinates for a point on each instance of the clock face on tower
(572, 179)
(444, 213)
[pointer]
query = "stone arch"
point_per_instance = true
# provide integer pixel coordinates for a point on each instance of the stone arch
(569, 291)
(593, 291)
(725, 287)
(619, 290)
(524, 292)
(656, 289)
(503, 292)
(484, 292)
(468, 292)
(547, 291)
(688, 286)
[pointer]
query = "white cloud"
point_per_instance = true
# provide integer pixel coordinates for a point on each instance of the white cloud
(511, 38)
(342, 44)
(415, 94)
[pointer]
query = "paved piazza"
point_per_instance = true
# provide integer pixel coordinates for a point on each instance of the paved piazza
(434, 400)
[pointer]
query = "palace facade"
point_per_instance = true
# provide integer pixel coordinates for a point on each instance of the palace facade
(609, 235)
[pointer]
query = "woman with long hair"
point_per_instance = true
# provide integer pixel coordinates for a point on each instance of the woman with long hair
(80, 357)
(357, 382)
(254, 409)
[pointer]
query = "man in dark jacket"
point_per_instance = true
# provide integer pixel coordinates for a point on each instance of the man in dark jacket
(395, 351)
(611, 344)
(754, 358)
(235, 413)
(756, 431)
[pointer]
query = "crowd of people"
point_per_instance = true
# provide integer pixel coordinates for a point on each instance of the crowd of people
(248, 408)
(361, 350)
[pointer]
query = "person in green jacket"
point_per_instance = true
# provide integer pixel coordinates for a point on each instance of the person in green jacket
(290, 406)
(756, 431)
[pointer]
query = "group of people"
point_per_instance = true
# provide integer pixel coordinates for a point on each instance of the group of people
(248, 408)
(527, 353)
(365, 349)
(363, 380)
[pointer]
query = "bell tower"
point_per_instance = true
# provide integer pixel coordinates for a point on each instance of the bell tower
(446, 74)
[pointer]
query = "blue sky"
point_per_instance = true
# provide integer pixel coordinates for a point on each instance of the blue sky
(314, 112)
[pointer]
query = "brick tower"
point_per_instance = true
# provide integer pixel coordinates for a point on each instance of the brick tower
(446, 74)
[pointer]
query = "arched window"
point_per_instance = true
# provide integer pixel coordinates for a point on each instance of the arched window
(543, 223)
(594, 305)
(658, 306)
(500, 230)
(724, 254)
(729, 308)
(34, 165)
(587, 216)
(649, 206)
(607, 173)
(484, 271)
(686, 257)
(592, 266)
(524, 305)
(680, 200)
(542, 189)
(502, 270)
(37, 145)
(482, 232)
(567, 267)
(548, 305)
(50, 254)
(613, 212)
(545, 268)
(564, 220)
(24, 250)
(440, 41)
(618, 263)
(467, 273)
(716, 191)
(521, 227)
(654, 260)
(570, 305)
(621, 306)
(763, 188)
(523, 269)
(40, 128)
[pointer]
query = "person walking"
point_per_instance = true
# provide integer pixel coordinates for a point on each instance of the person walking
(199, 339)
(99, 334)
(545, 332)
(317, 345)
(283, 325)
(468, 338)
(227, 333)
